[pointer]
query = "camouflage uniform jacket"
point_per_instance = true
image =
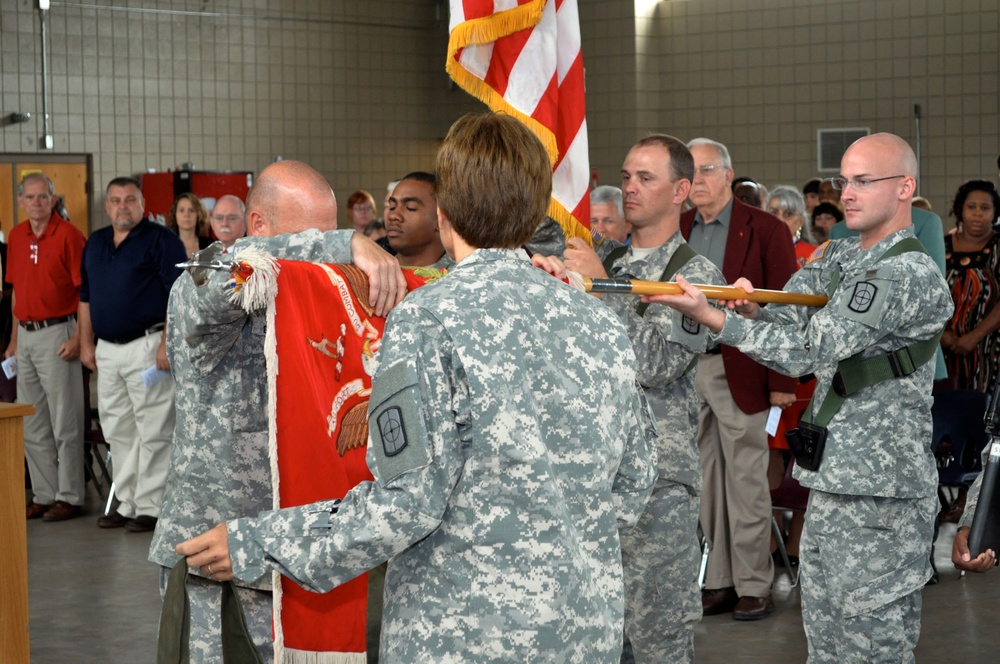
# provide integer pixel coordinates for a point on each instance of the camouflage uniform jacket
(509, 442)
(665, 343)
(879, 442)
(973, 498)
(219, 467)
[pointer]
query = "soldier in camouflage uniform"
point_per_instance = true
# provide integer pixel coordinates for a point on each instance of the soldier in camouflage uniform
(509, 442)
(219, 467)
(661, 555)
(866, 544)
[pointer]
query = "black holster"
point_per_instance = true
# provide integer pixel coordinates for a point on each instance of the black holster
(807, 442)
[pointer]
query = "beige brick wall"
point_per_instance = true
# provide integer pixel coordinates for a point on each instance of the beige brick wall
(358, 89)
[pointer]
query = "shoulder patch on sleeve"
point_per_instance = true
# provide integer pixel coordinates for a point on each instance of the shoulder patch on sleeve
(818, 253)
(396, 423)
(867, 298)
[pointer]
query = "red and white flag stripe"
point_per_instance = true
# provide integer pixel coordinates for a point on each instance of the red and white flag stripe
(523, 57)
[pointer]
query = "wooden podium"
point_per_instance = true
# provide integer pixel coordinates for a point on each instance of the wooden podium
(14, 647)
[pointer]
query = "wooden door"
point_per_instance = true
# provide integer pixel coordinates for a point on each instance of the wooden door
(8, 193)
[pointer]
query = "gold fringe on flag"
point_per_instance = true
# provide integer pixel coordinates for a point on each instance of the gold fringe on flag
(486, 30)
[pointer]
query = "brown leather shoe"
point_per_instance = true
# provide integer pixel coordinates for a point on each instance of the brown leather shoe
(35, 511)
(141, 524)
(721, 600)
(115, 520)
(753, 608)
(62, 511)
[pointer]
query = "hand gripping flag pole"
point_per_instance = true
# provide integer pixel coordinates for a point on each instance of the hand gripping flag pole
(638, 287)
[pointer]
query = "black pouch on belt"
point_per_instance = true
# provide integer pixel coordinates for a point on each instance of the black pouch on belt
(807, 442)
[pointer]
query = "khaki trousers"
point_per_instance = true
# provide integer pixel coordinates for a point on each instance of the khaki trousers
(53, 436)
(138, 423)
(735, 502)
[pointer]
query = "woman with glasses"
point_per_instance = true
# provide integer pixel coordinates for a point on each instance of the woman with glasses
(189, 219)
(360, 210)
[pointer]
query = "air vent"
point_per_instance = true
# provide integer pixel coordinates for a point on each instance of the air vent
(831, 145)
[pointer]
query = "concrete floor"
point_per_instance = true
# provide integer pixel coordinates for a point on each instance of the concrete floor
(94, 600)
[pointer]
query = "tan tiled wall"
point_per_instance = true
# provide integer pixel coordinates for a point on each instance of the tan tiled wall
(763, 75)
(358, 89)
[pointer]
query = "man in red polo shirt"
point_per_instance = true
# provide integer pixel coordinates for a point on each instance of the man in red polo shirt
(43, 265)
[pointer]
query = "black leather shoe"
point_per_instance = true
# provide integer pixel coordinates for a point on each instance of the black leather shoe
(141, 524)
(721, 600)
(115, 520)
(753, 608)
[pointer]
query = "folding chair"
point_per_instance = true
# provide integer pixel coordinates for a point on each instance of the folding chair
(789, 496)
(93, 440)
(958, 441)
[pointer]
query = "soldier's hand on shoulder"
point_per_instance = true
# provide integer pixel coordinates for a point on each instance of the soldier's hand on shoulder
(551, 264)
(386, 283)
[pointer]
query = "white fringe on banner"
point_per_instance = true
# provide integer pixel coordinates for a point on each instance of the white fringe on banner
(293, 656)
(261, 287)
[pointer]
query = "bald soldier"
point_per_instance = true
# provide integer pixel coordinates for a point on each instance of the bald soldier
(219, 467)
(865, 456)
(502, 477)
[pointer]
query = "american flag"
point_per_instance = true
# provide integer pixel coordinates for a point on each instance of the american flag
(523, 57)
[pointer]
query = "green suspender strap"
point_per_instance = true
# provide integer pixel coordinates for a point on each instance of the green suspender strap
(681, 256)
(855, 374)
(175, 624)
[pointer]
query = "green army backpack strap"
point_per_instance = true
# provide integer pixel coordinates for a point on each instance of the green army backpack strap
(172, 646)
(237, 644)
(855, 373)
(175, 619)
(613, 255)
(681, 256)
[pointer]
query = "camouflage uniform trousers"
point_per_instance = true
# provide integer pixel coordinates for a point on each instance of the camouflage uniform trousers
(205, 604)
(661, 559)
(865, 561)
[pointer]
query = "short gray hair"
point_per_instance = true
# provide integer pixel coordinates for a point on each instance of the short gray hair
(35, 177)
(727, 162)
(608, 194)
(234, 199)
(790, 199)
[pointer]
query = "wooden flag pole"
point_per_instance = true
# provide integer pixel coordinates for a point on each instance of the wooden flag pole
(760, 296)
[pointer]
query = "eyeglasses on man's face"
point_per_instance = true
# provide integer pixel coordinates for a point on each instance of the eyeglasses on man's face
(859, 184)
(231, 218)
(707, 170)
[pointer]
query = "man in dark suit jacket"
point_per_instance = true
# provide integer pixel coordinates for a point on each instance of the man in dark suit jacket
(736, 393)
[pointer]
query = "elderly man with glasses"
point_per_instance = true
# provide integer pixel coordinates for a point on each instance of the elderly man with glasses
(736, 393)
(228, 222)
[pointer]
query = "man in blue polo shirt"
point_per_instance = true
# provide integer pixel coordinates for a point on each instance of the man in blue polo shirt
(127, 272)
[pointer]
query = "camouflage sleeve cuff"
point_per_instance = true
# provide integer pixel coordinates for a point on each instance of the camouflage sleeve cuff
(734, 331)
(247, 556)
